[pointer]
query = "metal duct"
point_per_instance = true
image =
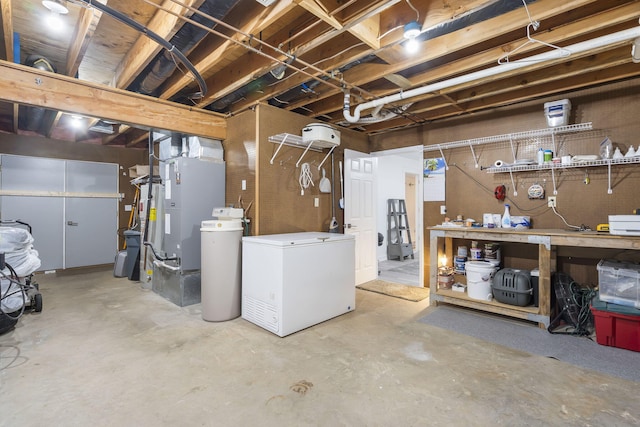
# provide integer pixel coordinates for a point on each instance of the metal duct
(302, 91)
(32, 118)
(189, 35)
(224, 104)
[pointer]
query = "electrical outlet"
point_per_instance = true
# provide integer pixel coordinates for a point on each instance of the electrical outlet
(551, 201)
(316, 202)
(443, 210)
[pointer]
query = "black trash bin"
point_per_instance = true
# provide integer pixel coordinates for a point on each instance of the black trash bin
(132, 264)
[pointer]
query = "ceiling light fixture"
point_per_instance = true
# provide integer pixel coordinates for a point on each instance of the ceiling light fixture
(57, 6)
(76, 121)
(412, 30)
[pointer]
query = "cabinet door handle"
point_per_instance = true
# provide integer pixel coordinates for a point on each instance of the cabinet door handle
(71, 223)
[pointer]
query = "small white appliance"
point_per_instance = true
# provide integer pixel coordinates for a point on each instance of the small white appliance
(227, 213)
(624, 225)
(321, 134)
(296, 280)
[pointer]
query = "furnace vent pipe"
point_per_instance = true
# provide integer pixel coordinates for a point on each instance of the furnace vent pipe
(599, 42)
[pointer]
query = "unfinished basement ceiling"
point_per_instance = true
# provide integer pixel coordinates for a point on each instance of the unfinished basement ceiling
(240, 48)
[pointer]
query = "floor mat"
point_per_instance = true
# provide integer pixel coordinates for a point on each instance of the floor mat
(410, 293)
(579, 351)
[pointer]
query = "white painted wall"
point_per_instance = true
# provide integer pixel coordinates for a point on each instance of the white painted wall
(392, 166)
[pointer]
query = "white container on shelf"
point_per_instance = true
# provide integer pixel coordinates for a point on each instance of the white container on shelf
(557, 112)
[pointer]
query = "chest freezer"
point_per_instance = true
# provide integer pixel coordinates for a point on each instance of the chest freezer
(296, 280)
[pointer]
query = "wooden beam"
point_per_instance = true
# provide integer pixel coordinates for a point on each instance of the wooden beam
(262, 64)
(438, 47)
(122, 129)
(53, 125)
(489, 57)
(7, 29)
(145, 49)
(137, 140)
(255, 25)
(319, 11)
(30, 86)
(87, 23)
(7, 35)
(367, 31)
(16, 109)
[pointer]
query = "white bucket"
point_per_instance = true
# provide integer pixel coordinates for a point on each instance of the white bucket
(479, 277)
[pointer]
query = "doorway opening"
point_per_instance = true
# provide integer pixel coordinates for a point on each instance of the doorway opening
(400, 177)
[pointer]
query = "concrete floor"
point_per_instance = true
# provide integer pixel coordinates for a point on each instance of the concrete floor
(107, 352)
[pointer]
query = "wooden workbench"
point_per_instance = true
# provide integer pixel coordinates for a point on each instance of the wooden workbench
(441, 243)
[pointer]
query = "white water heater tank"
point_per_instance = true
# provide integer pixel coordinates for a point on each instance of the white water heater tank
(321, 134)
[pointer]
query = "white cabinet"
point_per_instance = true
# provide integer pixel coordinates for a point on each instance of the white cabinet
(72, 207)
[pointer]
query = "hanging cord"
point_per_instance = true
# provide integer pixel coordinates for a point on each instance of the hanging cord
(531, 21)
(577, 227)
(20, 288)
(416, 10)
(580, 298)
(491, 191)
(306, 178)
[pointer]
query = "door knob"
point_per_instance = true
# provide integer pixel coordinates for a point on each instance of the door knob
(74, 224)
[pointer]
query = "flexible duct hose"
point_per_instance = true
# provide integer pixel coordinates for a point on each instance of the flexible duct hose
(155, 37)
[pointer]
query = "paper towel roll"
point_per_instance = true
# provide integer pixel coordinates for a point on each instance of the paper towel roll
(498, 163)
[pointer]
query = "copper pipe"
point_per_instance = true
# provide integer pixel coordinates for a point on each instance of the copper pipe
(257, 51)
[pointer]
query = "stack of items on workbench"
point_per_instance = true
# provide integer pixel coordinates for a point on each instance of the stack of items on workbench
(616, 311)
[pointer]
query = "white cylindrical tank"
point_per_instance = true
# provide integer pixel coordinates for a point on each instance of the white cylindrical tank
(221, 269)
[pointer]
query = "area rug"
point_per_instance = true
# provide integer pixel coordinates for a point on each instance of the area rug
(410, 293)
(579, 351)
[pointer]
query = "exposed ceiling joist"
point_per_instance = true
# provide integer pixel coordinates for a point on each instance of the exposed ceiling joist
(29, 86)
(7, 29)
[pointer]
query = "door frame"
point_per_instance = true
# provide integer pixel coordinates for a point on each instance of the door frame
(412, 154)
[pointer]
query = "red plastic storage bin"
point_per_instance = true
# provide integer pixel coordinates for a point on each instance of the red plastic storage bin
(616, 329)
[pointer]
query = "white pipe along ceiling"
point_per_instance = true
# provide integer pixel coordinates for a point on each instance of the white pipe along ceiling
(631, 34)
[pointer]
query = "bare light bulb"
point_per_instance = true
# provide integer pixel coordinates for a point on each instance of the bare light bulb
(54, 21)
(411, 45)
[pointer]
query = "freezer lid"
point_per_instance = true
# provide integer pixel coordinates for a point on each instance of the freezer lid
(292, 239)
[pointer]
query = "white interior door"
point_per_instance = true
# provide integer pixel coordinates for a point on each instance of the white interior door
(360, 213)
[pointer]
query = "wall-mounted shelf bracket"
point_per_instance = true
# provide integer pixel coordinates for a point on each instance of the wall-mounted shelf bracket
(553, 178)
(473, 153)
(291, 140)
(513, 149)
(446, 165)
(513, 183)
